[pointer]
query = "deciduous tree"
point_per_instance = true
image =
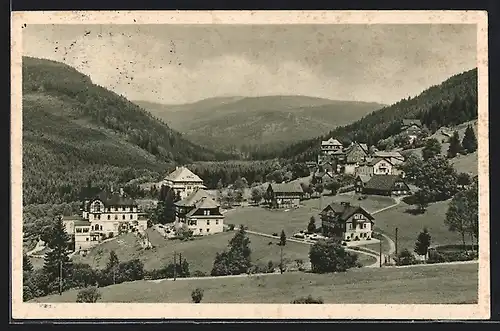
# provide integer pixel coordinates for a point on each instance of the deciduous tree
(431, 149)
(330, 256)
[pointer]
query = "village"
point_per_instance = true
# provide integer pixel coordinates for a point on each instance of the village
(377, 183)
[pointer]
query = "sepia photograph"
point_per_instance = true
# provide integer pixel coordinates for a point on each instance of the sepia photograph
(165, 163)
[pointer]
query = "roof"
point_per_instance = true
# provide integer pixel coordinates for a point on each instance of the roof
(408, 122)
(347, 210)
(183, 174)
(286, 188)
(393, 154)
(382, 182)
(115, 199)
(82, 223)
(364, 178)
(331, 141)
(200, 196)
(376, 160)
(72, 218)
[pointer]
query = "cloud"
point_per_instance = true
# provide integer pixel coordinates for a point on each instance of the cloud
(178, 64)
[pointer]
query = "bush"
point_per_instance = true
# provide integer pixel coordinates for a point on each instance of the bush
(88, 295)
(110, 235)
(308, 300)
(230, 227)
(436, 257)
(197, 295)
(406, 258)
(199, 273)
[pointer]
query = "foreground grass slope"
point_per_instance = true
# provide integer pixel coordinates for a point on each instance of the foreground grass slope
(438, 284)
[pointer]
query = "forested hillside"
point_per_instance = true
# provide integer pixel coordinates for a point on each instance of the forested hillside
(78, 136)
(450, 103)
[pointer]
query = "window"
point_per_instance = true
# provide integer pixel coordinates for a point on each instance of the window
(86, 239)
(364, 226)
(123, 217)
(201, 230)
(192, 222)
(116, 208)
(109, 217)
(116, 217)
(98, 216)
(131, 216)
(208, 230)
(78, 230)
(208, 222)
(216, 222)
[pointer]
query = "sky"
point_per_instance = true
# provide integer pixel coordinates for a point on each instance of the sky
(174, 64)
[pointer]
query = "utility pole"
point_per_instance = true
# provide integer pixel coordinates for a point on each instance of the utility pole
(60, 277)
(396, 243)
(180, 262)
(380, 253)
(281, 259)
(175, 266)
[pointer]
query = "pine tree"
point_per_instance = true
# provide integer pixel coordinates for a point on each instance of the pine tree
(469, 143)
(282, 244)
(455, 146)
(423, 242)
(112, 265)
(311, 227)
(57, 262)
(27, 266)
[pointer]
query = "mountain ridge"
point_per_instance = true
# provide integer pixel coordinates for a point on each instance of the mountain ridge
(238, 121)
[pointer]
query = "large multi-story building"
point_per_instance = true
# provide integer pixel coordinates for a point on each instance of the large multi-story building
(104, 216)
(183, 181)
(346, 222)
(201, 212)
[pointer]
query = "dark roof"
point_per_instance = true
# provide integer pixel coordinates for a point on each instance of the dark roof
(408, 122)
(364, 178)
(286, 188)
(347, 210)
(382, 182)
(196, 198)
(115, 199)
(82, 223)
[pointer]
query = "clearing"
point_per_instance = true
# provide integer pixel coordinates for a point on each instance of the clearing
(436, 284)
(409, 226)
(200, 252)
(260, 219)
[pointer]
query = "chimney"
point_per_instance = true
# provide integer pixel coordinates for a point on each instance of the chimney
(345, 203)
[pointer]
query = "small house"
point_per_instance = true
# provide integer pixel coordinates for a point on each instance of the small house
(346, 222)
(386, 185)
(286, 195)
(201, 212)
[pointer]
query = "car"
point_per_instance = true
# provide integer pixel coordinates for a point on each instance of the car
(299, 235)
(314, 237)
(275, 234)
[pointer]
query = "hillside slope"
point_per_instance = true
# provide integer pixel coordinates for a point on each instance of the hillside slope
(77, 134)
(450, 103)
(239, 122)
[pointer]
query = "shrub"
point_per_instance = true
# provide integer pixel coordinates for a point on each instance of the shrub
(88, 295)
(199, 273)
(230, 227)
(110, 235)
(197, 295)
(308, 300)
(406, 258)
(436, 257)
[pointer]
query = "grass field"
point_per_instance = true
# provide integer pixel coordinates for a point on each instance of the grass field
(270, 221)
(444, 284)
(200, 252)
(409, 226)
